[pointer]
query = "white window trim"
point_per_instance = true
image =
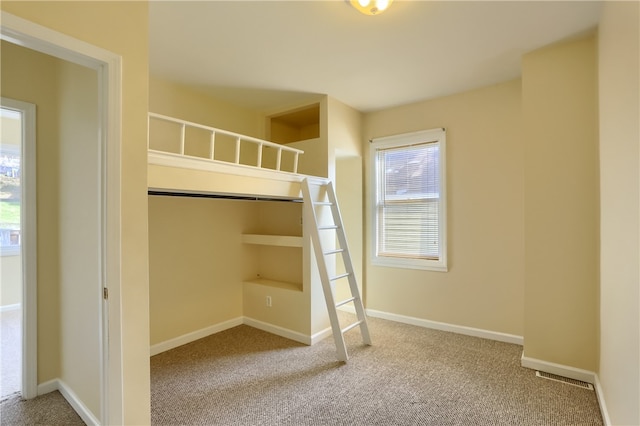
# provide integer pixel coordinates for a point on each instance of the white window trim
(400, 140)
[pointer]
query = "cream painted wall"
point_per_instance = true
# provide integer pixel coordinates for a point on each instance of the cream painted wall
(32, 77)
(619, 71)
(69, 286)
(315, 160)
(485, 158)
(186, 103)
(345, 159)
(79, 234)
(345, 129)
(290, 308)
(228, 261)
(196, 263)
(10, 280)
(179, 101)
(349, 186)
(94, 22)
(559, 98)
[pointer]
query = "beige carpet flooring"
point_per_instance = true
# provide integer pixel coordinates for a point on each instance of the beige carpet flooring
(410, 376)
(50, 409)
(47, 410)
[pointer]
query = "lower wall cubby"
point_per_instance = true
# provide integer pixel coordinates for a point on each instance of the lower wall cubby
(277, 305)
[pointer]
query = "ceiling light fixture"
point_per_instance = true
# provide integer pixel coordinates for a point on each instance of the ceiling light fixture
(371, 7)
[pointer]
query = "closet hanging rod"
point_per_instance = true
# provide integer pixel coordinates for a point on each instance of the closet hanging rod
(222, 196)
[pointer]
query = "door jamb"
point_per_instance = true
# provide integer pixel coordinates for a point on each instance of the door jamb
(109, 67)
(28, 243)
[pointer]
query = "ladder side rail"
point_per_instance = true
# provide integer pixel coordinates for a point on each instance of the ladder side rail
(324, 274)
(346, 256)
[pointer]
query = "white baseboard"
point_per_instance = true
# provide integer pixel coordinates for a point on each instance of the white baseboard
(279, 331)
(47, 387)
(321, 335)
(194, 335)
(601, 403)
(558, 369)
(216, 328)
(442, 326)
(78, 406)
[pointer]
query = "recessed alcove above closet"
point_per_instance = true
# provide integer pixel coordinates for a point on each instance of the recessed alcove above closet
(295, 125)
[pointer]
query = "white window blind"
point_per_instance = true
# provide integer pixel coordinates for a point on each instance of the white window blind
(409, 200)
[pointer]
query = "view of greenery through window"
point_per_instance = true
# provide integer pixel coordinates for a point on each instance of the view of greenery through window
(9, 184)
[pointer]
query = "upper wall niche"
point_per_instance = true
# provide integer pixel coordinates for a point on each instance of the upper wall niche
(295, 125)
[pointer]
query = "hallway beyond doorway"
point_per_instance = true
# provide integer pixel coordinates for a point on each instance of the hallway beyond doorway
(11, 351)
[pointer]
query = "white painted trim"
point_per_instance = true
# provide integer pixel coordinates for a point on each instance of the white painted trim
(435, 135)
(29, 257)
(109, 66)
(321, 335)
(169, 159)
(278, 331)
(110, 76)
(59, 385)
(459, 329)
(8, 308)
(601, 402)
(45, 40)
(48, 387)
(194, 335)
(75, 402)
(558, 369)
(225, 325)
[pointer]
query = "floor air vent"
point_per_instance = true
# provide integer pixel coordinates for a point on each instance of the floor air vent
(566, 380)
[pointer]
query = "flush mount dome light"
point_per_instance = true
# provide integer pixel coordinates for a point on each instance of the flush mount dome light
(371, 7)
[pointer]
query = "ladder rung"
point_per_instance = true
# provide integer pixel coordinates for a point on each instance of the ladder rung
(312, 206)
(345, 301)
(337, 277)
(327, 253)
(349, 327)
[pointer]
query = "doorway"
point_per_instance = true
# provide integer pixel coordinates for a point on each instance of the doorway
(69, 228)
(17, 248)
(88, 371)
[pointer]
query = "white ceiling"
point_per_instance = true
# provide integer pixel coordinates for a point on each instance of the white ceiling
(261, 54)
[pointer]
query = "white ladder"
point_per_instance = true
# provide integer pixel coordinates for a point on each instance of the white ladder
(319, 194)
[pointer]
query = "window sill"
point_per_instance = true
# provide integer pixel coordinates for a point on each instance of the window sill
(425, 265)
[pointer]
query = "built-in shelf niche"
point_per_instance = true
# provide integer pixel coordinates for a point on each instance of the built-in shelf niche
(295, 125)
(279, 260)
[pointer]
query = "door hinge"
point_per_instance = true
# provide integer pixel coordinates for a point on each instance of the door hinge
(105, 293)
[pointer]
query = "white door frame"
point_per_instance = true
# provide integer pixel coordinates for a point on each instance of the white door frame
(28, 243)
(109, 68)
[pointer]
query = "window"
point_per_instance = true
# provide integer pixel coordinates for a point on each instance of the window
(409, 201)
